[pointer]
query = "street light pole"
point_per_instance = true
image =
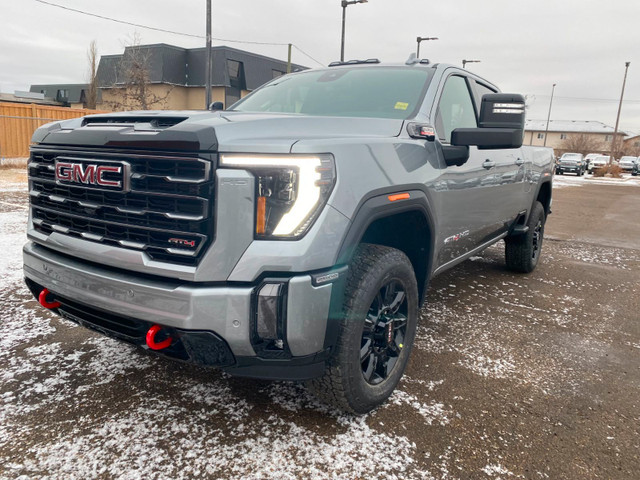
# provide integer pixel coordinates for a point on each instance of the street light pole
(208, 76)
(546, 130)
(345, 4)
(464, 62)
(615, 130)
(420, 39)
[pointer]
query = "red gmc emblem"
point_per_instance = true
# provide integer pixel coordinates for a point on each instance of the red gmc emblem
(109, 176)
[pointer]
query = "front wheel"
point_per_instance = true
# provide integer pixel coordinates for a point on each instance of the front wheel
(377, 329)
(522, 252)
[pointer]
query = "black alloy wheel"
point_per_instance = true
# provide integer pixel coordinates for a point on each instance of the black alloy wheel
(384, 332)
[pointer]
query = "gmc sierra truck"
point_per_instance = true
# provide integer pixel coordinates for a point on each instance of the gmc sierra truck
(292, 236)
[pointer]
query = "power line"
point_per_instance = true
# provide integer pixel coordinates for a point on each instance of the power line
(307, 55)
(588, 99)
(118, 21)
(173, 32)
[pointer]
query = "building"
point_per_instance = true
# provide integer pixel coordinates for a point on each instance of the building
(177, 76)
(173, 78)
(565, 135)
(72, 95)
(631, 146)
(27, 97)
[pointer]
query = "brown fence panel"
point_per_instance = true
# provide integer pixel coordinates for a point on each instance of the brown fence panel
(18, 121)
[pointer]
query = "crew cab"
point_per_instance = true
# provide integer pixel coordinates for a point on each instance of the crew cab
(292, 236)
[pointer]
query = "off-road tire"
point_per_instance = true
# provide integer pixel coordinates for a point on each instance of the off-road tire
(522, 252)
(343, 384)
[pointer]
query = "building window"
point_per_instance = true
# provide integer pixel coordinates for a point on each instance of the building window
(608, 138)
(563, 136)
(234, 68)
(276, 73)
(540, 136)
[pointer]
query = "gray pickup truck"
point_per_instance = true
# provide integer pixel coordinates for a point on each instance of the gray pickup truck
(292, 236)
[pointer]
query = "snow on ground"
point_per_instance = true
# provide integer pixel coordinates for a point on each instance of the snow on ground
(569, 180)
(171, 422)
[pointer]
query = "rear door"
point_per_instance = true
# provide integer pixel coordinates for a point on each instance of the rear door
(510, 172)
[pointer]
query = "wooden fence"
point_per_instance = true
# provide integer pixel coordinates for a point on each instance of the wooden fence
(18, 121)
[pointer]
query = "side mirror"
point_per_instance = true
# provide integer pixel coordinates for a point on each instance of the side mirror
(501, 123)
(216, 106)
(502, 110)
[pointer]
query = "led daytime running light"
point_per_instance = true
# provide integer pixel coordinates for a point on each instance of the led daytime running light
(309, 189)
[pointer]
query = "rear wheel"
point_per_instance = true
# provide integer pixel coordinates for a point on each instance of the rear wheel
(377, 329)
(522, 252)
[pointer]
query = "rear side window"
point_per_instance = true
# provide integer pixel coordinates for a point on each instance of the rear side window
(455, 109)
(483, 89)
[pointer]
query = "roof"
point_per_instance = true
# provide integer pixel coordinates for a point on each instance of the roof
(570, 126)
(76, 91)
(17, 98)
(187, 66)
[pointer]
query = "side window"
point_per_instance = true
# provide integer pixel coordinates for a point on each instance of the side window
(455, 109)
(483, 90)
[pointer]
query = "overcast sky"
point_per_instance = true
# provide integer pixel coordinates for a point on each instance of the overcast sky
(524, 45)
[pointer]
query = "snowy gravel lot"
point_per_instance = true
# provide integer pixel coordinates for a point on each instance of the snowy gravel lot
(512, 376)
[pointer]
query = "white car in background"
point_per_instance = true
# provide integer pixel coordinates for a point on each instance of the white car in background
(589, 159)
(600, 161)
(627, 162)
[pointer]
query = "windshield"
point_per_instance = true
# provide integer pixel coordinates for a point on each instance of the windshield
(570, 156)
(379, 92)
(628, 159)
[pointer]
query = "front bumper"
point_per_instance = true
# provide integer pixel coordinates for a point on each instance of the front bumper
(215, 318)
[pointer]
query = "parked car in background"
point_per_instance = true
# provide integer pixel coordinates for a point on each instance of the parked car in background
(636, 168)
(571, 162)
(599, 162)
(588, 160)
(627, 163)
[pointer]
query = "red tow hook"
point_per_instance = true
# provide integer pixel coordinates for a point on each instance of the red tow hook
(151, 339)
(42, 298)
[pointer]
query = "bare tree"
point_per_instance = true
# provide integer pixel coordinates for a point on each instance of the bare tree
(582, 143)
(91, 98)
(132, 89)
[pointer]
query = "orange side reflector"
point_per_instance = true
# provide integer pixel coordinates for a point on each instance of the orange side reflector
(261, 215)
(398, 196)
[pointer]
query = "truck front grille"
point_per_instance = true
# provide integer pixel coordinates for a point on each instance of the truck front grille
(164, 207)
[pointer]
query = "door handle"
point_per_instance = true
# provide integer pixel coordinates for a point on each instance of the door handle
(488, 164)
(519, 162)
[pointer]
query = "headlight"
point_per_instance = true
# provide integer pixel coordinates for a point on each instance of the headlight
(290, 190)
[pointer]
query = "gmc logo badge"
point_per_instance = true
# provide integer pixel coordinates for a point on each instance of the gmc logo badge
(108, 176)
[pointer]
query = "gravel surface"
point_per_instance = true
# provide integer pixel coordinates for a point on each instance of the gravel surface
(513, 376)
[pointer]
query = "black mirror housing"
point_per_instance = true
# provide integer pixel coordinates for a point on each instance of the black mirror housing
(502, 110)
(487, 138)
(216, 106)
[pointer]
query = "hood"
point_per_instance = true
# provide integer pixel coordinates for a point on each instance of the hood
(209, 131)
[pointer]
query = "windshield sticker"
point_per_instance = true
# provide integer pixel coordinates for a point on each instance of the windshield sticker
(401, 106)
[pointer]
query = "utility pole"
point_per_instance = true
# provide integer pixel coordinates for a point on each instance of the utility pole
(289, 60)
(209, 58)
(420, 39)
(615, 130)
(546, 130)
